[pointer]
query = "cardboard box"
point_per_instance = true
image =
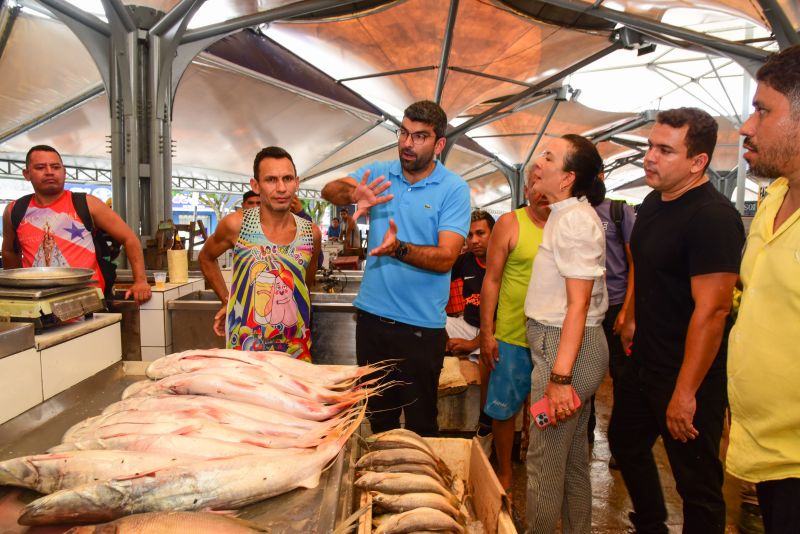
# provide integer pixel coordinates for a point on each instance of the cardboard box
(466, 459)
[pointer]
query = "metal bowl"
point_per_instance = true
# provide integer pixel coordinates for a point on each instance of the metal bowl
(44, 276)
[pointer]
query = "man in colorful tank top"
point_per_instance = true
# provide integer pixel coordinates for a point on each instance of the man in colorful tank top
(505, 362)
(52, 234)
(416, 232)
(275, 255)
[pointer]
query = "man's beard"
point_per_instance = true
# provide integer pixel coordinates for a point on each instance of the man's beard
(417, 164)
(771, 162)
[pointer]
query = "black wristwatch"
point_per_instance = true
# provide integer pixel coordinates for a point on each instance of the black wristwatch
(401, 251)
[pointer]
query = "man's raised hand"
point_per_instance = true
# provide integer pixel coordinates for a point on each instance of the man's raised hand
(366, 195)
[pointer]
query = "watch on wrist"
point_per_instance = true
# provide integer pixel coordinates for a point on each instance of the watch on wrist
(401, 251)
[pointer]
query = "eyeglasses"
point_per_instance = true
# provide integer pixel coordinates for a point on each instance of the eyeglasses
(418, 138)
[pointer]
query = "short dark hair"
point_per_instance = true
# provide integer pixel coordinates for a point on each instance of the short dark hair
(335, 219)
(274, 152)
(430, 113)
(248, 194)
(39, 148)
(584, 160)
(343, 210)
(701, 136)
(481, 215)
(782, 73)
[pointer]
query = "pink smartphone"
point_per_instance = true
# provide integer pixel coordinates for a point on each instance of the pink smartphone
(541, 408)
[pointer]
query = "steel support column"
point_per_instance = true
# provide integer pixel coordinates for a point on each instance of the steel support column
(782, 28)
(446, 44)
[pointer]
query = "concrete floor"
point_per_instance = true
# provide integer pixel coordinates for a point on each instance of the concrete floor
(611, 504)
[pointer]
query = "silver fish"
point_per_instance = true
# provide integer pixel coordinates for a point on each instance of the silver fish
(417, 520)
(223, 484)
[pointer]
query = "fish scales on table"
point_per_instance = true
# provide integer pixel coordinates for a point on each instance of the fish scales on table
(222, 484)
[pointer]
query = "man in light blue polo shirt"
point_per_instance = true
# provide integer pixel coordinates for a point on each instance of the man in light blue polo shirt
(419, 215)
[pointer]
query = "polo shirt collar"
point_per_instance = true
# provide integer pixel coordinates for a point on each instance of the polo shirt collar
(434, 177)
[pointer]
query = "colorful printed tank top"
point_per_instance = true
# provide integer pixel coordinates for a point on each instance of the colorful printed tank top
(54, 236)
(269, 306)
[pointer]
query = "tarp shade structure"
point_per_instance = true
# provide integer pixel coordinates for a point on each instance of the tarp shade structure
(409, 36)
(656, 9)
(512, 137)
(43, 67)
(321, 87)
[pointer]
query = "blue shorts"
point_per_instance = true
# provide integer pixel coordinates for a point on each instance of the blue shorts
(510, 381)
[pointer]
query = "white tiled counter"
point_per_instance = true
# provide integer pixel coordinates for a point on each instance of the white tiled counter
(154, 320)
(61, 357)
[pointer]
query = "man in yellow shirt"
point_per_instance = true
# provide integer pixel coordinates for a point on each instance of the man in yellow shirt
(763, 366)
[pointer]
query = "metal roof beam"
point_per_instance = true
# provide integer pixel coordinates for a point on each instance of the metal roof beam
(446, 45)
(542, 130)
(47, 116)
(69, 11)
(350, 161)
(386, 73)
(8, 15)
(785, 34)
(748, 57)
(305, 7)
(497, 201)
(645, 117)
(471, 123)
(490, 76)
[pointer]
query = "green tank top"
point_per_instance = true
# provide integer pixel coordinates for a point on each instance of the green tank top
(511, 320)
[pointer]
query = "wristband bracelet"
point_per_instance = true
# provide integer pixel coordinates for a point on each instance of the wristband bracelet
(564, 380)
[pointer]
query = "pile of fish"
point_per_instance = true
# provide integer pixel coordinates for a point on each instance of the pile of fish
(211, 430)
(411, 488)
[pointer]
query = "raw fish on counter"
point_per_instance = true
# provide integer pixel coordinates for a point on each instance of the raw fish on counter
(171, 523)
(224, 484)
(220, 430)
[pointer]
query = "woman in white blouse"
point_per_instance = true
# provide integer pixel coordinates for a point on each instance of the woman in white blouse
(565, 305)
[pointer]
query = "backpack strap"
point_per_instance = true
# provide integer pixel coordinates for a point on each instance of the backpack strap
(617, 215)
(82, 209)
(17, 214)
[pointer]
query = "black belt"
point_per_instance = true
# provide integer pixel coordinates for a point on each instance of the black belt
(379, 318)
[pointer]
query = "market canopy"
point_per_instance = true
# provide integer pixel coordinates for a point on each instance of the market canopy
(330, 85)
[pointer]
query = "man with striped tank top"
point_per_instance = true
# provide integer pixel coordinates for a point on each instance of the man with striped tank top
(274, 263)
(505, 361)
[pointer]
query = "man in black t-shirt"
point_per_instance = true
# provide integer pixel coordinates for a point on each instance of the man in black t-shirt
(465, 288)
(686, 246)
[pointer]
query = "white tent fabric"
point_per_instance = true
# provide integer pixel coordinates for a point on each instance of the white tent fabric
(389, 55)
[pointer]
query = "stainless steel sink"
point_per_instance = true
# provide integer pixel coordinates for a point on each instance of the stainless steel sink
(15, 337)
(192, 318)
